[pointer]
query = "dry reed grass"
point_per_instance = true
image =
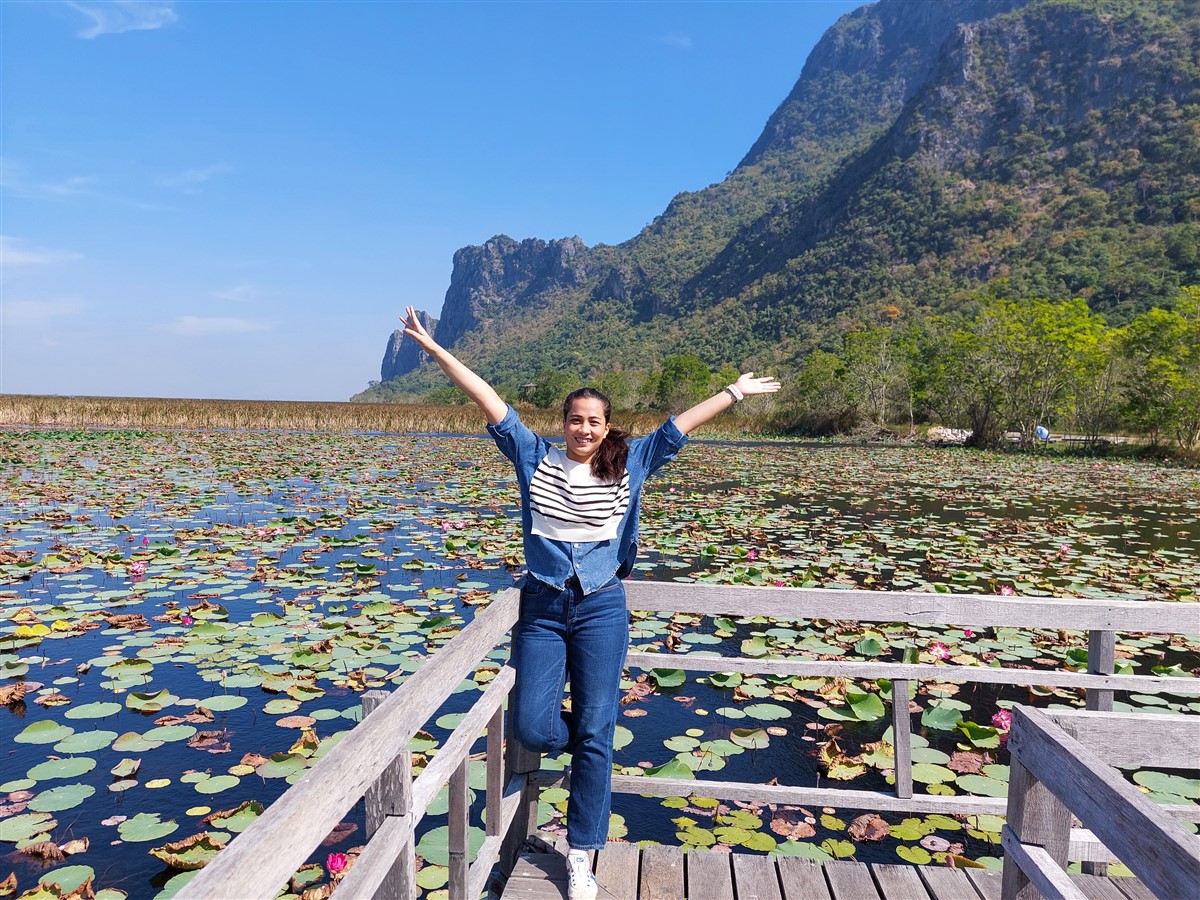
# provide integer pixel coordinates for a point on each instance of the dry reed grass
(156, 414)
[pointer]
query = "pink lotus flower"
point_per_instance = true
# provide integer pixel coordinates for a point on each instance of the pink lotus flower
(1006, 590)
(1064, 549)
(1002, 720)
(778, 583)
(753, 554)
(187, 620)
(145, 542)
(938, 650)
(336, 862)
(968, 632)
(137, 567)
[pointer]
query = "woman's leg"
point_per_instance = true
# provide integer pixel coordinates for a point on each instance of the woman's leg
(596, 644)
(539, 655)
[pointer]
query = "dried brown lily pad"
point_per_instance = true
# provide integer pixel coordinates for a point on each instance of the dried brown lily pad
(868, 827)
(193, 852)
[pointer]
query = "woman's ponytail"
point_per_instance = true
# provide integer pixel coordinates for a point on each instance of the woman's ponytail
(609, 462)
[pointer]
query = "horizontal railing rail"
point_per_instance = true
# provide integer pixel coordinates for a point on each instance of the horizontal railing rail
(1061, 765)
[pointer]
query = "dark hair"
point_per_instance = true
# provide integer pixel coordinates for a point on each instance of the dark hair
(609, 462)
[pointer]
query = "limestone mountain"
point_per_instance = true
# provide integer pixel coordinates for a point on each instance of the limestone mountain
(927, 149)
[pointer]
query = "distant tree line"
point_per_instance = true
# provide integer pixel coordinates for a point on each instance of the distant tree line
(1002, 364)
(1011, 364)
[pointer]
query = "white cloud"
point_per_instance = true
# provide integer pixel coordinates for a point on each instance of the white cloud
(13, 254)
(238, 293)
(209, 326)
(119, 16)
(14, 179)
(27, 312)
(678, 40)
(189, 178)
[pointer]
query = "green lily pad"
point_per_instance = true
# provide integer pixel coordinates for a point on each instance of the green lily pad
(149, 703)
(928, 773)
(68, 878)
(1162, 783)
(223, 702)
(145, 827)
(750, 738)
(167, 733)
(72, 767)
(982, 785)
(672, 769)
(85, 742)
(767, 711)
(217, 784)
(668, 678)
(66, 797)
(26, 825)
(98, 710)
(43, 732)
(132, 742)
(917, 856)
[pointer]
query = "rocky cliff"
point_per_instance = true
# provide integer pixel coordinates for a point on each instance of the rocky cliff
(403, 355)
(927, 149)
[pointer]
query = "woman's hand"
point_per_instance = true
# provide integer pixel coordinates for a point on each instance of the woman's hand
(415, 330)
(748, 384)
(705, 410)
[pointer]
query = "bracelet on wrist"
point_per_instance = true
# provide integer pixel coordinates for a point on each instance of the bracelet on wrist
(735, 393)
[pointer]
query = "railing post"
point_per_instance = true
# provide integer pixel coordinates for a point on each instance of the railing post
(495, 772)
(902, 738)
(460, 801)
(519, 761)
(1102, 658)
(391, 795)
(1035, 816)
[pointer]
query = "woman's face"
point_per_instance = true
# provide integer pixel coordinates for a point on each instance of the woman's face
(584, 428)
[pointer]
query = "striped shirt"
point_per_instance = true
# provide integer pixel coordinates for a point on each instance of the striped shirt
(569, 503)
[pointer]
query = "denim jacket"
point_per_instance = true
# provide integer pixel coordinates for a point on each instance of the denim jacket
(594, 563)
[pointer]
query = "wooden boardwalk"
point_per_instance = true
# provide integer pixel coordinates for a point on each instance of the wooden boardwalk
(1063, 765)
(668, 873)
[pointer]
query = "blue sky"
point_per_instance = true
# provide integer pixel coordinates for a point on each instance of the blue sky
(238, 199)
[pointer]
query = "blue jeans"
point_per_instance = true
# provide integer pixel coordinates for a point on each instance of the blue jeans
(563, 633)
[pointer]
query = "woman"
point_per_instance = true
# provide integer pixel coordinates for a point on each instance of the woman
(579, 513)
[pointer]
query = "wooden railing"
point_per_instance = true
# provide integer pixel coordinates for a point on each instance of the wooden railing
(1062, 764)
(373, 760)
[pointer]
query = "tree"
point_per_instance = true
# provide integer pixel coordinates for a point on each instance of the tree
(550, 387)
(682, 382)
(1161, 351)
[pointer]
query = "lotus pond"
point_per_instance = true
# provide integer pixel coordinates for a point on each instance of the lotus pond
(187, 622)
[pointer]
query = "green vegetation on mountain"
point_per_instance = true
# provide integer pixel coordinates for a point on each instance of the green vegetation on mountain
(953, 177)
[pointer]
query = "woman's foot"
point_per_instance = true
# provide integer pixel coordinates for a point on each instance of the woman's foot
(581, 885)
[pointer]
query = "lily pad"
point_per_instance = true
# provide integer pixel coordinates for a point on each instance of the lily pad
(59, 798)
(145, 827)
(98, 710)
(68, 878)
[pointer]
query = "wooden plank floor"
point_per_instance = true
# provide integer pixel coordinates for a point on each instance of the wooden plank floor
(669, 873)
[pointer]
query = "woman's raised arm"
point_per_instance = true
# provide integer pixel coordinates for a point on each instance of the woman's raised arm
(745, 386)
(472, 385)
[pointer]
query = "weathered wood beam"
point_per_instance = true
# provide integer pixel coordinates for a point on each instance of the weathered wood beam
(910, 606)
(1150, 843)
(1126, 740)
(1040, 870)
(799, 666)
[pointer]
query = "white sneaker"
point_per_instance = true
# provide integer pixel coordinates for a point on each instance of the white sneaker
(581, 884)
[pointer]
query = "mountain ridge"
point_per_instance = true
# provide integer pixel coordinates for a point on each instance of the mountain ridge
(965, 141)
